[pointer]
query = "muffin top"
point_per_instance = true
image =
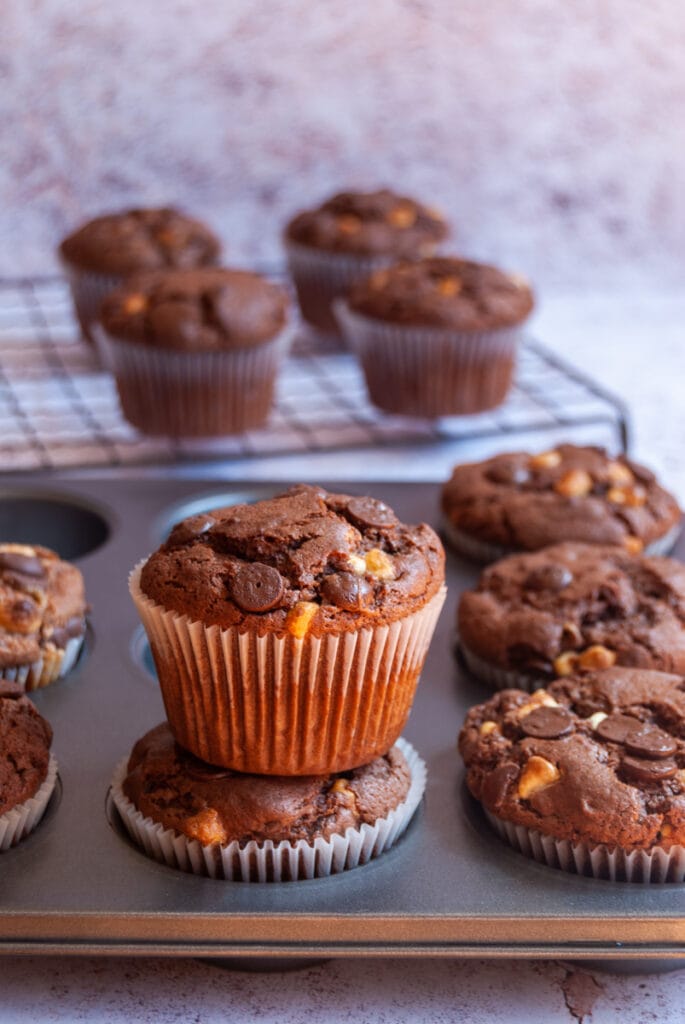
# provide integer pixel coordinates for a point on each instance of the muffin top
(443, 291)
(574, 606)
(369, 223)
(130, 240)
(25, 739)
(525, 502)
(203, 310)
(303, 562)
(217, 805)
(598, 757)
(42, 603)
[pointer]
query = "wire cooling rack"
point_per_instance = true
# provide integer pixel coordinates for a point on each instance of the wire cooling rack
(58, 408)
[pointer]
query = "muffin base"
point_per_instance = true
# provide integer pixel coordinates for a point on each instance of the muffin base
(269, 861)
(499, 678)
(22, 819)
(53, 664)
(88, 289)
(596, 861)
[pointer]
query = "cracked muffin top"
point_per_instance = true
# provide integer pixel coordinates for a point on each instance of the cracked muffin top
(443, 291)
(132, 240)
(212, 308)
(217, 805)
(525, 502)
(306, 561)
(574, 606)
(42, 603)
(369, 223)
(25, 739)
(597, 758)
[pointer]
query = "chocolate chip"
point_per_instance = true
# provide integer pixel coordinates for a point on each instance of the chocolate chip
(206, 772)
(547, 723)
(27, 565)
(548, 577)
(189, 529)
(371, 512)
(257, 587)
(648, 771)
(652, 742)
(508, 473)
(345, 590)
(617, 728)
(10, 689)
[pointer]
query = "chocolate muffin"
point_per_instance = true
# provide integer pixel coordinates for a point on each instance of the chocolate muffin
(259, 827)
(42, 615)
(195, 352)
(523, 502)
(289, 634)
(589, 775)
(100, 254)
(437, 336)
(347, 237)
(27, 771)
(572, 607)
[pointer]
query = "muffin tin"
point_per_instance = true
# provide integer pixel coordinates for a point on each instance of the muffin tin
(449, 886)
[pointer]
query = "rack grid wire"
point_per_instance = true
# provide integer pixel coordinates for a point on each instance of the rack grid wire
(59, 408)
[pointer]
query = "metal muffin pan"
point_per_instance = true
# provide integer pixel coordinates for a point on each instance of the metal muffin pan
(449, 886)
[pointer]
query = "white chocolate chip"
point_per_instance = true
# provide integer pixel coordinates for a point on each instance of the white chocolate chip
(537, 774)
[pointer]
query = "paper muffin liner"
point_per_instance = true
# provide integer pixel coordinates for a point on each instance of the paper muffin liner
(320, 277)
(22, 819)
(664, 545)
(282, 705)
(88, 289)
(431, 371)
(53, 664)
(500, 678)
(194, 394)
(268, 861)
(657, 864)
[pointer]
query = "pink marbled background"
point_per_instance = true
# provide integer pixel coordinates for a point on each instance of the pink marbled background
(550, 131)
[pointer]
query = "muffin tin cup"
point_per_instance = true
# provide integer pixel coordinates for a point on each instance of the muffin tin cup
(597, 861)
(431, 371)
(269, 861)
(52, 665)
(320, 277)
(194, 394)
(22, 819)
(88, 289)
(500, 678)
(282, 705)
(664, 545)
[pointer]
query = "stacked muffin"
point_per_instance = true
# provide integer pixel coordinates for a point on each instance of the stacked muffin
(588, 774)
(289, 636)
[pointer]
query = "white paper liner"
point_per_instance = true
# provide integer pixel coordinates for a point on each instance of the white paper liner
(500, 678)
(597, 861)
(269, 861)
(431, 371)
(88, 289)
(194, 394)
(22, 819)
(53, 664)
(320, 277)
(341, 699)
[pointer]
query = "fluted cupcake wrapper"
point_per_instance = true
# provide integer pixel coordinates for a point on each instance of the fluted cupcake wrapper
(22, 819)
(88, 289)
(282, 705)
(53, 664)
(597, 861)
(499, 678)
(431, 371)
(194, 394)
(320, 277)
(269, 861)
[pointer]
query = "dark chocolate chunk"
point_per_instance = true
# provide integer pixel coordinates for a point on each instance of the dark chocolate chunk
(617, 728)
(547, 723)
(257, 587)
(61, 635)
(371, 512)
(641, 770)
(548, 577)
(507, 473)
(27, 565)
(204, 772)
(651, 742)
(345, 590)
(190, 528)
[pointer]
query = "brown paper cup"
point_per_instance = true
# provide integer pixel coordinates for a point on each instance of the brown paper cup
(280, 705)
(22, 819)
(54, 663)
(88, 289)
(269, 861)
(194, 394)
(431, 371)
(599, 861)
